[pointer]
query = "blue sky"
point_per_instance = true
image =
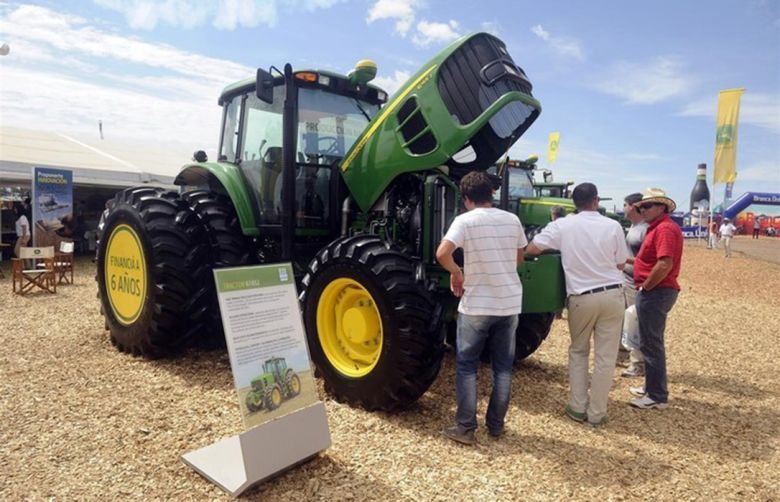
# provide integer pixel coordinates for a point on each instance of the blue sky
(631, 86)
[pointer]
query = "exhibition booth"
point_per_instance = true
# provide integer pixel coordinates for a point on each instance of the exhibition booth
(99, 168)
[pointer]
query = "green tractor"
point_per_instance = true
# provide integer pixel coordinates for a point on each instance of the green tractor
(532, 201)
(321, 170)
(277, 383)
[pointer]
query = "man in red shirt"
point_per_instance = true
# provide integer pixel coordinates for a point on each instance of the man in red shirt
(656, 268)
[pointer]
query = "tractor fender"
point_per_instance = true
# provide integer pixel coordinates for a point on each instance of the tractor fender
(225, 178)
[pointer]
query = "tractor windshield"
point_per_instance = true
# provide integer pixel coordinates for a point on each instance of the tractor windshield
(520, 185)
(328, 124)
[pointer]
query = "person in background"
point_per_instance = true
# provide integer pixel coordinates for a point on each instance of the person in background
(22, 228)
(557, 212)
(726, 232)
(491, 296)
(636, 234)
(656, 268)
(756, 227)
(593, 253)
(713, 231)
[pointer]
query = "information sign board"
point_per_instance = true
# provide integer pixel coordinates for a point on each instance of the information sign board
(286, 423)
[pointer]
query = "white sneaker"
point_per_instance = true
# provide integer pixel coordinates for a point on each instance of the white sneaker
(637, 391)
(646, 403)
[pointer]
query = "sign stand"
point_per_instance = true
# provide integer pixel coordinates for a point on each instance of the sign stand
(286, 422)
(237, 463)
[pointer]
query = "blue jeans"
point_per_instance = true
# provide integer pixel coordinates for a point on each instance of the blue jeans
(497, 334)
(652, 307)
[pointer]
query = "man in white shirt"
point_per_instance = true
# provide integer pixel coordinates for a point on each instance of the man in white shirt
(634, 237)
(491, 296)
(593, 252)
(726, 232)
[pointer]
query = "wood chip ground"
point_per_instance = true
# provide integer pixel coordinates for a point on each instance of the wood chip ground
(81, 421)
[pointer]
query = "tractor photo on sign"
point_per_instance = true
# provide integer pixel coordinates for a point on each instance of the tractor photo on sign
(322, 170)
(277, 383)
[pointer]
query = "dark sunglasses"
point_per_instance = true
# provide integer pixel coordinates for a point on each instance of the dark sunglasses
(648, 205)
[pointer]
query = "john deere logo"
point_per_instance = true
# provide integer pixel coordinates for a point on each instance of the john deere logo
(554, 145)
(725, 135)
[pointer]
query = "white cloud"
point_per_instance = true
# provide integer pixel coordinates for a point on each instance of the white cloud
(758, 109)
(54, 79)
(765, 172)
(429, 33)
(72, 37)
(540, 32)
(223, 14)
(616, 174)
(646, 82)
(146, 14)
(402, 11)
(392, 84)
(563, 46)
(65, 104)
(245, 13)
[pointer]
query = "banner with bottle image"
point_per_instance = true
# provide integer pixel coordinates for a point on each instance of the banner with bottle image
(52, 206)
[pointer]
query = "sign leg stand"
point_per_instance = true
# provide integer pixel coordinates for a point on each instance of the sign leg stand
(237, 463)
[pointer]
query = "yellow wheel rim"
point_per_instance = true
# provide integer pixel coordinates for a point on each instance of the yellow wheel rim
(296, 384)
(125, 274)
(349, 327)
(276, 397)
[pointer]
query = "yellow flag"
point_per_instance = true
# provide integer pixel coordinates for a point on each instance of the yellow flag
(552, 151)
(726, 136)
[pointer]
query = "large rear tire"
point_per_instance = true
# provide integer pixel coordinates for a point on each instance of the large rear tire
(150, 261)
(228, 248)
(532, 330)
(372, 328)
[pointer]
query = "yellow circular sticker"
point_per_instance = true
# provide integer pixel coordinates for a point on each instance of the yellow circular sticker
(125, 274)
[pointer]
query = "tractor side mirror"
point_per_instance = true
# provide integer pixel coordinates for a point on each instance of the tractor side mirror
(264, 86)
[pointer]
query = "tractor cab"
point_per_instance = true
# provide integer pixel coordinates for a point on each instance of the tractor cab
(288, 132)
(276, 366)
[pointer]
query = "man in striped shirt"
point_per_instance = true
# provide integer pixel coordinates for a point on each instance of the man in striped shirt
(491, 296)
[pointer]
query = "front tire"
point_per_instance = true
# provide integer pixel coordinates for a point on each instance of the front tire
(372, 328)
(274, 398)
(293, 385)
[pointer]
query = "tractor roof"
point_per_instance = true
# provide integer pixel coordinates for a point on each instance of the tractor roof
(248, 84)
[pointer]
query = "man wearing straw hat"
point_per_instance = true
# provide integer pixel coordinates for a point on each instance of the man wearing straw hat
(593, 253)
(656, 268)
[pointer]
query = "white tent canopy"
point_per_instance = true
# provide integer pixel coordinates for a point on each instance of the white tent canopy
(93, 161)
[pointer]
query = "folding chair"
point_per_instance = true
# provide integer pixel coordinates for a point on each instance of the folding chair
(35, 276)
(63, 263)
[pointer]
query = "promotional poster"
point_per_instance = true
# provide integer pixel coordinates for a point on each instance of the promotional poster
(52, 206)
(266, 341)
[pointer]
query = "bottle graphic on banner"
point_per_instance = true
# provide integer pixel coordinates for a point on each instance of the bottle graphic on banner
(700, 197)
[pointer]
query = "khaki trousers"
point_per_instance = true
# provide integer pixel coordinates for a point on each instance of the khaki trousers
(635, 356)
(600, 316)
